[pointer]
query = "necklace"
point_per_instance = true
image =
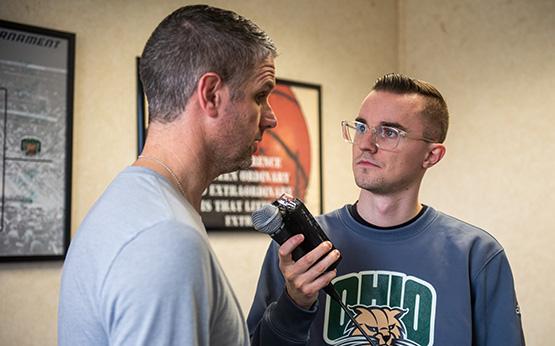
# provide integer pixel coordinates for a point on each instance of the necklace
(167, 168)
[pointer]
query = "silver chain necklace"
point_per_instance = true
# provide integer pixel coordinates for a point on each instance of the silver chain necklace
(167, 168)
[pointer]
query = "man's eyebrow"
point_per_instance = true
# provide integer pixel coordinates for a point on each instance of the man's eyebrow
(268, 85)
(383, 123)
(393, 124)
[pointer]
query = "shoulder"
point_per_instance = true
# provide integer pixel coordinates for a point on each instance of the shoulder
(476, 244)
(158, 260)
(464, 232)
(165, 245)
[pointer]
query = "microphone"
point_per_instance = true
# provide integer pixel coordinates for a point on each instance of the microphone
(288, 216)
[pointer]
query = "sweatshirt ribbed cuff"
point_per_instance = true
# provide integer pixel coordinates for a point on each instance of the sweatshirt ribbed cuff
(288, 319)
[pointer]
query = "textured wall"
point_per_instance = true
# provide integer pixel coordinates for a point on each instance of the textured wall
(342, 47)
(493, 60)
(495, 63)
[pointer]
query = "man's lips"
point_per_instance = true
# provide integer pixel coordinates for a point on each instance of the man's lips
(365, 162)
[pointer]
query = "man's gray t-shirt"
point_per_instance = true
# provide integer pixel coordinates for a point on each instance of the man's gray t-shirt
(141, 271)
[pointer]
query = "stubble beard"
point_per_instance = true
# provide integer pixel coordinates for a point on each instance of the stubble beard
(379, 185)
(376, 186)
(246, 162)
(231, 164)
(242, 160)
(368, 180)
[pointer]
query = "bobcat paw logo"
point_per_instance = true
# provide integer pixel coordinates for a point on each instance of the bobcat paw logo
(382, 324)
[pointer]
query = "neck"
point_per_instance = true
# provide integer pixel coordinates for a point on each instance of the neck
(174, 178)
(388, 211)
(182, 159)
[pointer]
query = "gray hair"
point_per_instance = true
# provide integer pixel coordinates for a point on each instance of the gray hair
(192, 41)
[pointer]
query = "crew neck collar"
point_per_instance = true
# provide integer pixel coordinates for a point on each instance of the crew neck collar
(406, 230)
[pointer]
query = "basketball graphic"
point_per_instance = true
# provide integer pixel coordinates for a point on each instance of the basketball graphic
(289, 140)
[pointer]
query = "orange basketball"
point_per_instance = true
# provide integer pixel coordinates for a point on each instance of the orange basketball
(290, 140)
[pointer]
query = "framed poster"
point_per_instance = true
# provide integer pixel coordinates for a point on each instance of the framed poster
(36, 110)
(288, 160)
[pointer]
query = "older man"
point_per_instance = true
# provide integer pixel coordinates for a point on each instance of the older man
(141, 270)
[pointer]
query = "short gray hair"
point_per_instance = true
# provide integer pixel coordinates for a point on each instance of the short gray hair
(190, 42)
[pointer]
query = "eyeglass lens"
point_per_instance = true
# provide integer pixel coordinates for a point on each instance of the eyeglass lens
(384, 137)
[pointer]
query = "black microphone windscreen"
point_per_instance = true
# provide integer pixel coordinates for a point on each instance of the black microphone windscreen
(267, 219)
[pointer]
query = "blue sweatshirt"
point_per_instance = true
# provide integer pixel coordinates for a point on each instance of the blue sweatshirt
(432, 281)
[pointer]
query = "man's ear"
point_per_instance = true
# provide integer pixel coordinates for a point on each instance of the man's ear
(434, 155)
(209, 90)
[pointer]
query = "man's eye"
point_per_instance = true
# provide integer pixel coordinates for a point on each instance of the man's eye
(260, 98)
(361, 128)
(388, 132)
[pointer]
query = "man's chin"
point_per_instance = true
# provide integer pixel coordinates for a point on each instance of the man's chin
(239, 164)
(246, 163)
(377, 187)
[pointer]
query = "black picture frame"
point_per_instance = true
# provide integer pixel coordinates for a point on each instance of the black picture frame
(37, 67)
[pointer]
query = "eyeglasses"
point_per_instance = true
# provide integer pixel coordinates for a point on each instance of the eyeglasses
(384, 137)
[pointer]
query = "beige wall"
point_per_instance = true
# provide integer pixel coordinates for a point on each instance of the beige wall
(319, 42)
(493, 60)
(495, 63)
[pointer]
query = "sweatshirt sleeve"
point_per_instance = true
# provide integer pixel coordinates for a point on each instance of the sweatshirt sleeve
(274, 319)
(496, 314)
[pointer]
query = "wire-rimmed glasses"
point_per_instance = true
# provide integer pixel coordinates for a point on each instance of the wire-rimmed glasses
(384, 137)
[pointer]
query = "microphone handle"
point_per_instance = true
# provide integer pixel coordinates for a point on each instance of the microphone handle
(300, 220)
(281, 235)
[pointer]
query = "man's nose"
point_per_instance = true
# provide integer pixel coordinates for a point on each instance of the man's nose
(367, 142)
(269, 120)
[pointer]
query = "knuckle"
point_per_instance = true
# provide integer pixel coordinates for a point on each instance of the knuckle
(306, 291)
(298, 286)
(287, 275)
(306, 260)
(321, 267)
(283, 251)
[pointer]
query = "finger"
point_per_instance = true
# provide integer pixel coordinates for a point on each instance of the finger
(319, 268)
(322, 265)
(308, 260)
(287, 248)
(322, 281)
(301, 290)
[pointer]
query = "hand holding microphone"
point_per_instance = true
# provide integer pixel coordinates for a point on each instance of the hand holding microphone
(307, 257)
(306, 261)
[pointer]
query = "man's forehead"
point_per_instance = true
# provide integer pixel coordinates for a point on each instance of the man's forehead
(263, 75)
(393, 97)
(387, 108)
(266, 69)
(392, 103)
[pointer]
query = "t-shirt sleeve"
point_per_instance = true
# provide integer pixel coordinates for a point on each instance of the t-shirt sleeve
(496, 312)
(157, 288)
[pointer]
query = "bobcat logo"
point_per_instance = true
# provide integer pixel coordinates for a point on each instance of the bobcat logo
(382, 324)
